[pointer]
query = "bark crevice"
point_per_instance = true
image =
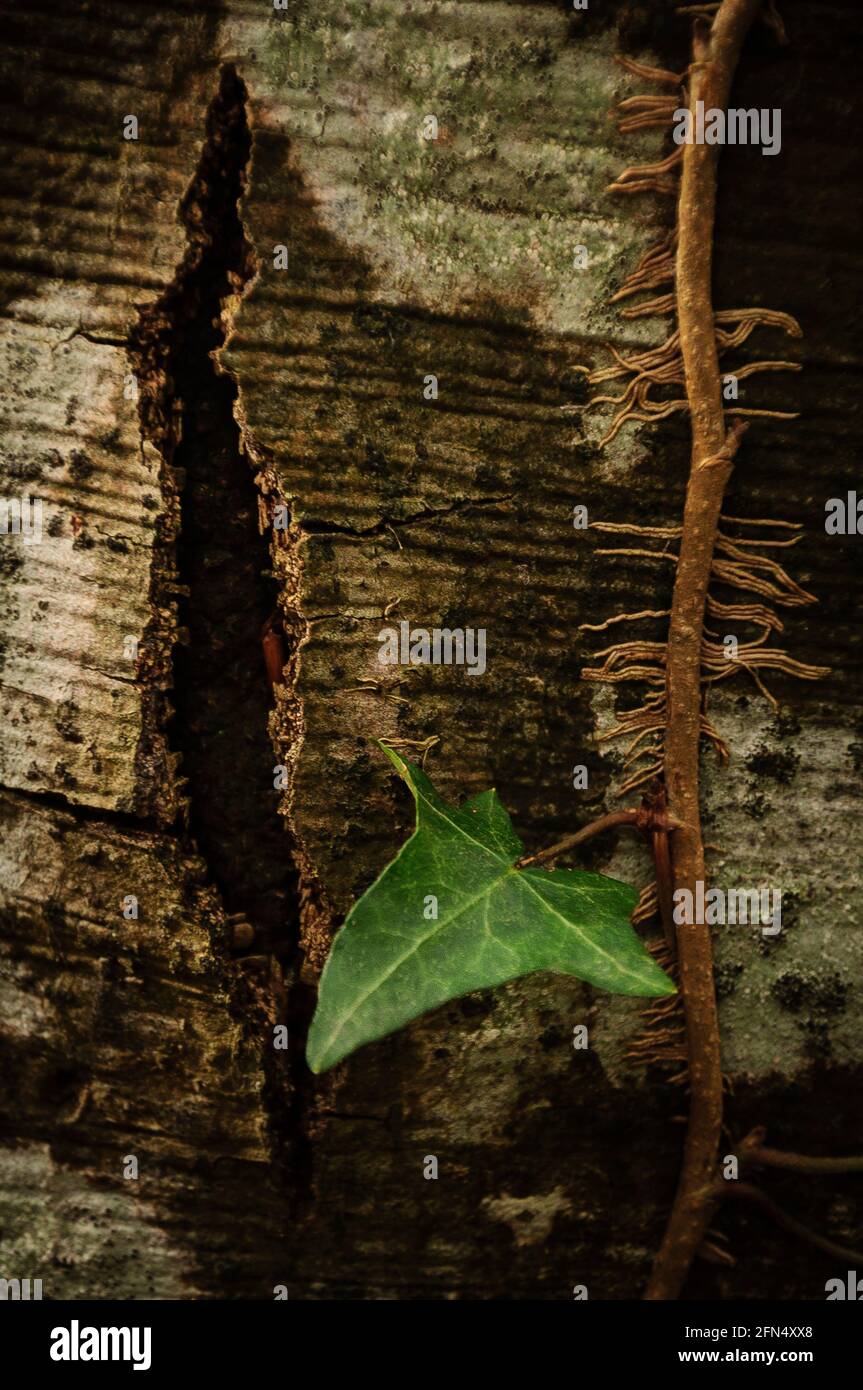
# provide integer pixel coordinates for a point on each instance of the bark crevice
(223, 583)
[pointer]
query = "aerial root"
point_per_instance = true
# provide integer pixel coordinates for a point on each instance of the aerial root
(748, 566)
(642, 726)
(650, 74)
(744, 542)
(751, 657)
(752, 367)
(649, 717)
(652, 359)
(712, 735)
(743, 577)
(646, 417)
(628, 661)
(653, 118)
(650, 103)
(760, 521)
(763, 414)
(626, 528)
(641, 778)
(663, 304)
(663, 365)
(648, 554)
(647, 906)
(662, 1040)
(632, 651)
(666, 188)
(642, 178)
(659, 166)
(736, 564)
(661, 1012)
(658, 272)
(653, 675)
(624, 618)
(768, 318)
(756, 613)
(656, 267)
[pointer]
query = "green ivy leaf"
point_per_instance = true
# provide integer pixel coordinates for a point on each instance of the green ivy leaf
(392, 961)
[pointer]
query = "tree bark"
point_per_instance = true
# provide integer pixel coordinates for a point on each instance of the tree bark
(152, 775)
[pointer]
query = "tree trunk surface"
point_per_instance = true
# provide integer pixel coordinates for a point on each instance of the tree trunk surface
(169, 390)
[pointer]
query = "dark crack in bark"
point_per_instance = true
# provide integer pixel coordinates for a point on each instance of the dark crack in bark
(226, 593)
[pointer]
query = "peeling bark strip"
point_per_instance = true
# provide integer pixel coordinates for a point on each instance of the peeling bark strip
(716, 51)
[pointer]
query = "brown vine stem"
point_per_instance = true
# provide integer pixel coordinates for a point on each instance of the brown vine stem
(596, 827)
(754, 1152)
(747, 1192)
(643, 818)
(803, 1163)
(716, 49)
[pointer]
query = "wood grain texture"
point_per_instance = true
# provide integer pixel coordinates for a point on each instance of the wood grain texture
(88, 232)
(119, 1040)
(556, 1166)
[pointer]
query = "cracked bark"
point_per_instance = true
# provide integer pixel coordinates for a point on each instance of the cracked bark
(226, 592)
(145, 1033)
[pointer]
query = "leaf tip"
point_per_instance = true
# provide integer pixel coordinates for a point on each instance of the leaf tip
(316, 1059)
(669, 987)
